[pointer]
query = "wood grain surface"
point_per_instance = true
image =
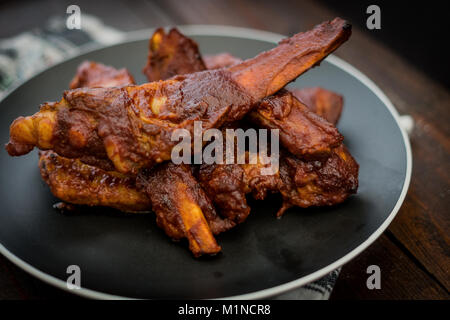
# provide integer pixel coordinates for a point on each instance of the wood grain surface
(414, 254)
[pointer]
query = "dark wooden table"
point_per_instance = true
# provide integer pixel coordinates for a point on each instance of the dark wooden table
(413, 253)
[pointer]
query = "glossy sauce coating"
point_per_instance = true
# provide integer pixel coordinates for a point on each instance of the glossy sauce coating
(182, 208)
(75, 182)
(318, 183)
(325, 103)
(302, 132)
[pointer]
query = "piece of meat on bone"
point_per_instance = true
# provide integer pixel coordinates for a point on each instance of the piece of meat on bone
(182, 209)
(75, 182)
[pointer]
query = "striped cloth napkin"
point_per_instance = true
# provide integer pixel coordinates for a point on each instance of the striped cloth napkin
(26, 54)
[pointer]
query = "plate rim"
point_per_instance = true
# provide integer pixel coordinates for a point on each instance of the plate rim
(253, 34)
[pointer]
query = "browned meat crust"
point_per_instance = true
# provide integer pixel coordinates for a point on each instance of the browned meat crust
(171, 54)
(75, 182)
(221, 60)
(228, 184)
(292, 57)
(93, 74)
(318, 183)
(182, 208)
(225, 186)
(325, 103)
(302, 132)
(301, 183)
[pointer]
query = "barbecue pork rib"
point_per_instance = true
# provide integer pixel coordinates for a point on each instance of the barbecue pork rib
(302, 132)
(182, 208)
(75, 182)
(301, 183)
(324, 103)
(132, 125)
(228, 184)
(324, 182)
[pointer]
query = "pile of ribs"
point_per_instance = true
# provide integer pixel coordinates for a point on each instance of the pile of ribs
(107, 142)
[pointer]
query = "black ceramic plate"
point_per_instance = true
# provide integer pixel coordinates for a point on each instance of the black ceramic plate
(124, 255)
